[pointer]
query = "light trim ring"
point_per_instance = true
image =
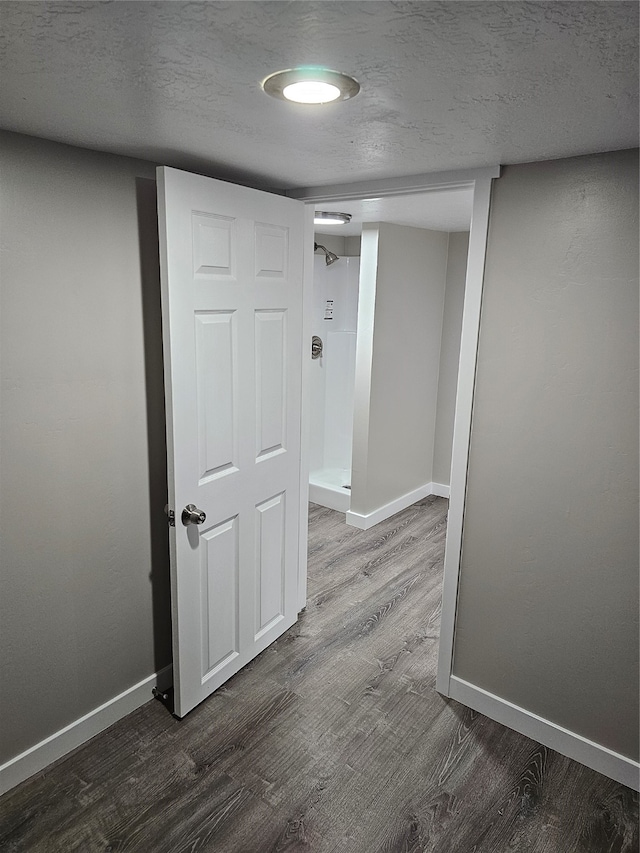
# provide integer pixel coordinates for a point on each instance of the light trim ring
(324, 87)
(325, 217)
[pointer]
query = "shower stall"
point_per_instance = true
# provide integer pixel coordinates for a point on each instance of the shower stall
(335, 312)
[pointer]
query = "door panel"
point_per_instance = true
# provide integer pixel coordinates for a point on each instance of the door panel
(220, 596)
(216, 337)
(214, 245)
(271, 385)
(232, 290)
(270, 563)
(272, 250)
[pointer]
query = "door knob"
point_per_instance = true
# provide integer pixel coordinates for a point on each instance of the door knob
(192, 515)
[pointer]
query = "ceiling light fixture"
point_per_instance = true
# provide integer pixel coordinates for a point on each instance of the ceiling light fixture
(310, 85)
(323, 217)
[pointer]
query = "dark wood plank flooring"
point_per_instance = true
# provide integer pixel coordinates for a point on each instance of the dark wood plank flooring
(334, 740)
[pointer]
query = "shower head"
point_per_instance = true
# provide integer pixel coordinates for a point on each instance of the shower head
(329, 256)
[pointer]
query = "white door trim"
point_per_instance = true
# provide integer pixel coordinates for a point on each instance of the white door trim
(305, 403)
(480, 180)
(396, 186)
(462, 428)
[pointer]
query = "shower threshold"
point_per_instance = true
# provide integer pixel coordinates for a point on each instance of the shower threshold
(330, 487)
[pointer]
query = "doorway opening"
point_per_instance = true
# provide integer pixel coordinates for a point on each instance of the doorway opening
(388, 314)
(478, 183)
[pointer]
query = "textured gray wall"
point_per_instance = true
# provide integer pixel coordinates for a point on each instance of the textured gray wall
(84, 589)
(394, 425)
(450, 355)
(548, 606)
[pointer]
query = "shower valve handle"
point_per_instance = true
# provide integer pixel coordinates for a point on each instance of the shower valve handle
(316, 347)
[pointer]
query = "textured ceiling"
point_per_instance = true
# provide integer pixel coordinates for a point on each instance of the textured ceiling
(444, 85)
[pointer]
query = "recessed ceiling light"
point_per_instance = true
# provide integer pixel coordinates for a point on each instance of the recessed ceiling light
(311, 92)
(323, 217)
(310, 85)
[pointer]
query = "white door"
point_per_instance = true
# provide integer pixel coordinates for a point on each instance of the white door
(232, 290)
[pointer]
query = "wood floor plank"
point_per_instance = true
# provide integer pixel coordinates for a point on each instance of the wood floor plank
(334, 740)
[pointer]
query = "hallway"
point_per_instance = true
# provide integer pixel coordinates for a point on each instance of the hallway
(332, 741)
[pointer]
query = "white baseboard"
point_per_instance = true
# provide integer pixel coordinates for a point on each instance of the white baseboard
(440, 490)
(593, 755)
(364, 522)
(36, 758)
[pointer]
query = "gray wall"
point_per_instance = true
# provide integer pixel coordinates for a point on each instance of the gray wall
(549, 591)
(450, 356)
(344, 247)
(84, 594)
(333, 242)
(400, 310)
(548, 606)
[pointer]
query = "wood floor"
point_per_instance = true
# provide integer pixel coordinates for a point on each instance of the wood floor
(332, 741)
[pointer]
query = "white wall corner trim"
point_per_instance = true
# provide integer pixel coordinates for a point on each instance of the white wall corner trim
(575, 746)
(37, 757)
(440, 490)
(364, 522)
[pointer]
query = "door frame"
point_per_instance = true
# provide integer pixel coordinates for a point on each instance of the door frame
(305, 402)
(480, 180)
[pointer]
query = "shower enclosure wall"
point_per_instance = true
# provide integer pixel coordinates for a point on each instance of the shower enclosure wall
(335, 312)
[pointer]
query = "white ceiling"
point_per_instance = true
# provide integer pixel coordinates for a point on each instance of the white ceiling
(445, 85)
(448, 210)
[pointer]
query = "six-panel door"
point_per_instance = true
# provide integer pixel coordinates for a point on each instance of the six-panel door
(232, 287)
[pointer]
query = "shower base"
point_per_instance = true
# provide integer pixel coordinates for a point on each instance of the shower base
(330, 487)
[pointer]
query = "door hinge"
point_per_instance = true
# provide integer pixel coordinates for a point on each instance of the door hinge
(171, 516)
